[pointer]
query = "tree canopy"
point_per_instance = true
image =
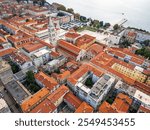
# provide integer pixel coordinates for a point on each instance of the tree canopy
(145, 51)
(31, 84)
(116, 26)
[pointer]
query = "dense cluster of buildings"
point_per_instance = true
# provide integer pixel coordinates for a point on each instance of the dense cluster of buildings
(74, 73)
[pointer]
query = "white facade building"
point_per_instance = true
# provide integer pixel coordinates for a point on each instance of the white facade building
(56, 63)
(143, 98)
(94, 95)
(112, 40)
(40, 57)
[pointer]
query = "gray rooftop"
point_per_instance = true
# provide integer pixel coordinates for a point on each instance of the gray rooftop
(121, 86)
(101, 85)
(17, 91)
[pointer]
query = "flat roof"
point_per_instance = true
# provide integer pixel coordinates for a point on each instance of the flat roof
(125, 88)
(142, 97)
(4, 107)
(53, 62)
(101, 85)
(83, 87)
(139, 68)
(41, 52)
(17, 91)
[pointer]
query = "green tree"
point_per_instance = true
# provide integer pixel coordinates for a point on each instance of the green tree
(145, 51)
(57, 71)
(89, 82)
(77, 16)
(31, 83)
(110, 100)
(116, 26)
(62, 7)
(107, 25)
(125, 44)
(27, 20)
(35, 2)
(101, 23)
(70, 10)
(83, 19)
(15, 68)
(96, 24)
(146, 42)
(34, 88)
(42, 2)
(30, 77)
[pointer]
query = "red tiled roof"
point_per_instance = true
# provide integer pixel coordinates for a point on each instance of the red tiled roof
(38, 97)
(64, 75)
(72, 35)
(143, 87)
(120, 105)
(129, 52)
(7, 51)
(48, 82)
(67, 53)
(95, 49)
(144, 109)
(32, 47)
(68, 46)
(44, 107)
(19, 57)
(131, 34)
(2, 40)
(38, 9)
(57, 94)
(105, 61)
(105, 107)
(85, 39)
(44, 43)
(73, 100)
(81, 71)
(84, 108)
(123, 52)
(54, 54)
(5, 23)
(122, 102)
(20, 36)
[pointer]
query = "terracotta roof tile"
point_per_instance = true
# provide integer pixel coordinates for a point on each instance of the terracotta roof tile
(95, 49)
(84, 108)
(57, 94)
(85, 40)
(68, 46)
(32, 47)
(48, 82)
(72, 35)
(144, 109)
(19, 57)
(64, 75)
(7, 51)
(44, 107)
(38, 97)
(81, 71)
(73, 100)
(120, 105)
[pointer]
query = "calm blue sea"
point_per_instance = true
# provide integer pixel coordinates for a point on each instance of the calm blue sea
(136, 11)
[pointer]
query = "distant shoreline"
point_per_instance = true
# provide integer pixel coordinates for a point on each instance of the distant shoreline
(127, 24)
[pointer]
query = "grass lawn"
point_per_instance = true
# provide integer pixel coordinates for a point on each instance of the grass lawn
(80, 29)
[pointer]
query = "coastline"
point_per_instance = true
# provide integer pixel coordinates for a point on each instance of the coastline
(107, 16)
